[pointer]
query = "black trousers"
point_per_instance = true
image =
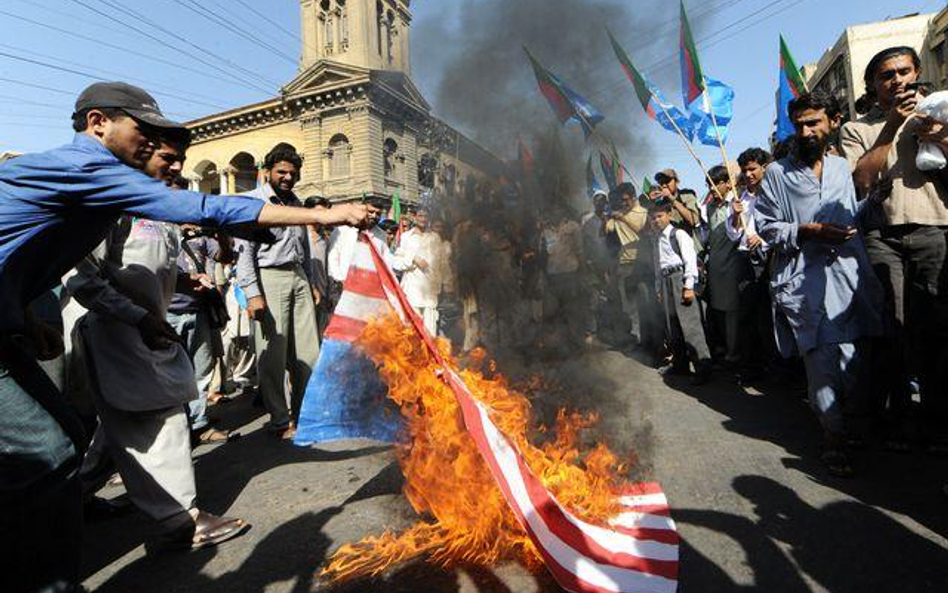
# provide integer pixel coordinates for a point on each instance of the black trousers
(909, 261)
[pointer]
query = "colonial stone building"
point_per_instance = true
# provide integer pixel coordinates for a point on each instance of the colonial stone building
(352, 112)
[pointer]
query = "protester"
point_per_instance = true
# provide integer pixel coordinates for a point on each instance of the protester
(627, 225)
(423, 258)
(906, 240)
(684, 202)
(676, 273)
(565, 302)
(728, 268)
(760, 349)
(319, 271)
(142, 376)
(599, 271)
(117, 127)
(281, 299)
(826, 299)
(197, 313)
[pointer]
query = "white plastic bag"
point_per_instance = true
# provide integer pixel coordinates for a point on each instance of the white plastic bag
(930, 157)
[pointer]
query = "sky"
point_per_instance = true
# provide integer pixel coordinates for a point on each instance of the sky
(241, 51)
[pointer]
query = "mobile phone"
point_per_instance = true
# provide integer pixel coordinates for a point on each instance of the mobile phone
(923, 88)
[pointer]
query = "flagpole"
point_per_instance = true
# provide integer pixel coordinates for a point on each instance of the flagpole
(727, 165)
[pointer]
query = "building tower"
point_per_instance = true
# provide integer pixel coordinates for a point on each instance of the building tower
(371, 34)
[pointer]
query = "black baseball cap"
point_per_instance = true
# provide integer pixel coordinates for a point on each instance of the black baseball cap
(132, 100)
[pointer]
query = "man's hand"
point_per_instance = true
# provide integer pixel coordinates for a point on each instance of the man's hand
(317, 297)
(753, 242)
(202, 282)
(256, 307)
(353, 214)
(904, 107)
(687, 296)
(931, 130)
(157, 333)
(738, 206)
(420, 263)
(826, 233)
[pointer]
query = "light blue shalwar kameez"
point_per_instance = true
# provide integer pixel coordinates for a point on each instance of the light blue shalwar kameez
(826, 298)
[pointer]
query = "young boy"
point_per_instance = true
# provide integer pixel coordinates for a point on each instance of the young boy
(676, 272)
(728, 268)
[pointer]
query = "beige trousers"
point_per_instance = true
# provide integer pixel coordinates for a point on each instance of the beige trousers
(285, 340)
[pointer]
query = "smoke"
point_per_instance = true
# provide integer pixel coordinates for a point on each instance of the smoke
(487, 89)
(472, 55)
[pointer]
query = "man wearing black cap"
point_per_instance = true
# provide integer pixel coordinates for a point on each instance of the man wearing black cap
(684, 202)
(55, 207)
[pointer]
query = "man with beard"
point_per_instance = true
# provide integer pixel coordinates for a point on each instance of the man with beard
(907, 243)
(826, 297)
(281, 298)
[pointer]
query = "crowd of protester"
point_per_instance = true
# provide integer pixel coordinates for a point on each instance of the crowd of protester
(827, 262)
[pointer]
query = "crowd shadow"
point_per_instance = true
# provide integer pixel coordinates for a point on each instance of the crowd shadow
(222, 473)
(908, 484)
(843, 547)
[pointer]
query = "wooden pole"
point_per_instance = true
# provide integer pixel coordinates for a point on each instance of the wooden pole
(717, 134)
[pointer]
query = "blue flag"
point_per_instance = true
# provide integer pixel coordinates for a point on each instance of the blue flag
(719, 98)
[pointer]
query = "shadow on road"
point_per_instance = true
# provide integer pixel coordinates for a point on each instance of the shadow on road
(845, 547)
(908, 484)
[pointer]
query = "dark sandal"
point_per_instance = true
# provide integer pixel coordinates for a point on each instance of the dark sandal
(837, 463)
(212, 436)
(210, 530)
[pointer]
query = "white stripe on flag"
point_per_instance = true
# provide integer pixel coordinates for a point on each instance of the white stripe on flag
(356, 306)
(644, 500)
(603, 576)
(633, 520)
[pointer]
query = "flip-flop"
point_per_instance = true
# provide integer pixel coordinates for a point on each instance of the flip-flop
(210, 530)
(212, 436)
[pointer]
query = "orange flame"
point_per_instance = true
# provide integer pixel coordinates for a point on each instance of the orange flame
(447, 480)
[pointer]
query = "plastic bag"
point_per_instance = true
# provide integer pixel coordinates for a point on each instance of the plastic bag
(930, 157)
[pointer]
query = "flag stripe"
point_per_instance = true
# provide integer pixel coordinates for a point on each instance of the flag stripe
(344, 329)
(364, 283)
(582, 570)
(582, 557)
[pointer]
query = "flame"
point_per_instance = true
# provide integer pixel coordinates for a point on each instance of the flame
(447, 481)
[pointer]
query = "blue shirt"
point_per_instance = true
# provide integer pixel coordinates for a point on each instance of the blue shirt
(56, 206)
(822, 293)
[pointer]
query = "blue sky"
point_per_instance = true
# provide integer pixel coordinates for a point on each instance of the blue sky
(35, 100)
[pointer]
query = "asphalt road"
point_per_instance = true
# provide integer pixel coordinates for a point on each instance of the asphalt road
(754, 507)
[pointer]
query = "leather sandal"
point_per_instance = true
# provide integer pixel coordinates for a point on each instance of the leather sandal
(210, 530)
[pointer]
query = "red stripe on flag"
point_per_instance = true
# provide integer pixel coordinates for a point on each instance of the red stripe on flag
(565, 576)
(364, 283)
(642, 489)
(552, 514)
(662, 536)
(472, 420)
(344, 329)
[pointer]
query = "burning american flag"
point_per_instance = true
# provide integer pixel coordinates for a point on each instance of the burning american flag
(468, 464)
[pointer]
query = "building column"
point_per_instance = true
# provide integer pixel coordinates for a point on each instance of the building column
(228, 181)
(194, 181)
(261, 176)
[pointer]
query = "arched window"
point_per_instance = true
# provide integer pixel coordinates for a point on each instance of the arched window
(380, 23)
(343, 13)
(390, 25)
(245, 171)
(389, 148)
(330, 25)
(339, 149)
